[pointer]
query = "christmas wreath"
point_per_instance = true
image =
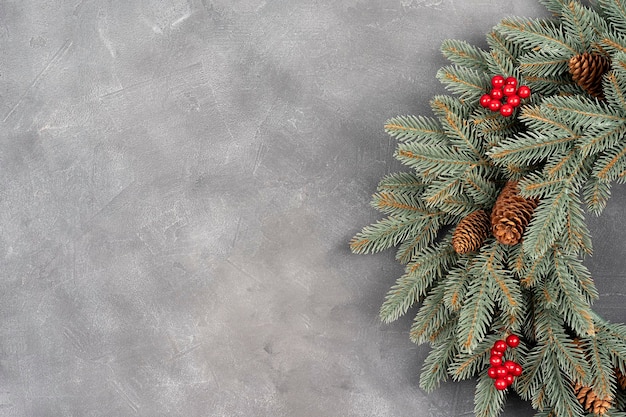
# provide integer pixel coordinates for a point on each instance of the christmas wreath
(490, 218)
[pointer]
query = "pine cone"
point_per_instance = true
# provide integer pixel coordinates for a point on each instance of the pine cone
(590, 401)
(471, 232)
(621, 379)
(587, 71)
(511, 214)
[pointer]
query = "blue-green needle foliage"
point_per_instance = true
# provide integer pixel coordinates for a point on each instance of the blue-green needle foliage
(565, 149)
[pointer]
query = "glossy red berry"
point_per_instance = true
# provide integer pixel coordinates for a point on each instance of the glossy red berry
(496, 94)
(501, 372)
(512, 341)
(509, 380)
(497, 81)
(495, 361)
(510, 366)
(492, 372)
(517, 371)
(495, 352)
(494, 105)
(523, 91)
(511, 81)
(513, 100)
(485, 100)
(500, 345)
(509, 90)
(501, 384)
(506, 110)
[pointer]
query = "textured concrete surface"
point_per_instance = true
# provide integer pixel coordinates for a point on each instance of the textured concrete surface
(178, 184)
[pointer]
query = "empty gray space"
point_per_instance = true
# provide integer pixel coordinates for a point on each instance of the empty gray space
(179, 181)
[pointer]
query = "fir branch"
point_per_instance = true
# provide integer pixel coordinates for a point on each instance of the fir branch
(581, 111)
(402, 204)
(545, 64)
(554, 6)
(582, 24)
(479, 305)
(611, 165)
(419, 275)
(410, 248)
(466, 365)
(468, 84)
(423, 129)
(435, 160)
(615, 10)
(536, 269)
(386, 233)
(443, 190)
(456, 286)
(613, 42)
(536, 185)
(502, 59)
(548, 221)
(436, 364)
(452, 115)
(576, 237)
(488, 401)
(459, 205)
(597, 139)
(530, 147)
(492, 125)
(602, 375)
(582, 277)
(431, 317)
(614, 85)
(537, 33)
(532, 378)
(596, 194)
(463, 54)
(480, 189)
(405, 182)
(558, 391)
(572, 303)
(504, 289)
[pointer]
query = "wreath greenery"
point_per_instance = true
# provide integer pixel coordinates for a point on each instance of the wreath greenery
(490, 218)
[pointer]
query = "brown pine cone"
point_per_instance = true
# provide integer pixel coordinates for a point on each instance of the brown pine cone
(471, 232)
(511, 214)
(590, 401)
(587, 71)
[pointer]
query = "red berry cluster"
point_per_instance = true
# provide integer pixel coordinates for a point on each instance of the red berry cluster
(504, 89)
(501, 370)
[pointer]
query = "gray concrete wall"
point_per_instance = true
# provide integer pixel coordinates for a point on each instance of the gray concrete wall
(178, 184)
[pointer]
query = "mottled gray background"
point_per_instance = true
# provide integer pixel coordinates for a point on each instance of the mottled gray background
(178, 184)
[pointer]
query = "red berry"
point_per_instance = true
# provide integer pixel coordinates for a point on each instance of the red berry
(511, 81)
(509, 379)
(509, 90)
(513, 100)
(501, 384)
(497, 81)
(495, 352)
(512, 341)
(523, 91)
(517, 371)
(510, 366)
(485, 100)
(506, 110)
(494, 105)
(496, 93)
(501, 372)
(492, 372)
(500, 345)
(495, 361)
